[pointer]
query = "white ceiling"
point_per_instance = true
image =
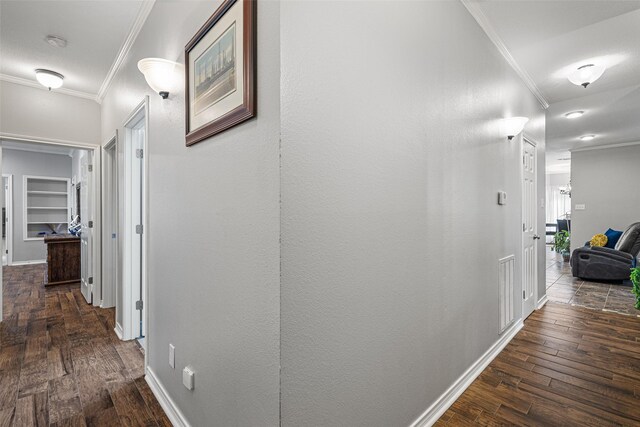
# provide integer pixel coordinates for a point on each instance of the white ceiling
(548, 39)
(95, 31)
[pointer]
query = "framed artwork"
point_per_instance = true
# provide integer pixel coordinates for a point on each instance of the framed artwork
(220, 71)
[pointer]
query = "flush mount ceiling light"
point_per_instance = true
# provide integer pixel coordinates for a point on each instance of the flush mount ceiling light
(56, 41)
(48, 78)
(574, 114)
(587, 137)
(586, 74)
(513, 126)
(160, 74)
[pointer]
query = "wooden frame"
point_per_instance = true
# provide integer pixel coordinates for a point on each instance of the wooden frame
(238, 113)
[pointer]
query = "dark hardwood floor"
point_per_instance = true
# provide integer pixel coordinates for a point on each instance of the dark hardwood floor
(61, 364)
(568, 366)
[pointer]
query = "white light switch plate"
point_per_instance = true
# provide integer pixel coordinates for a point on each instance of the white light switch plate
(581, 207)
(172, 356)
(188, 378)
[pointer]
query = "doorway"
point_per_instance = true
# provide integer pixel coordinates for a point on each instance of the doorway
(529, 228)
(132, 311)
(110, 269)
(7, 220)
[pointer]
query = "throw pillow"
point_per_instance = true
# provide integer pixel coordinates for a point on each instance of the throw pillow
(598, 240)
(612, 237)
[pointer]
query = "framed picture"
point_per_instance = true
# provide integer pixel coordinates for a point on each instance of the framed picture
(220, 67)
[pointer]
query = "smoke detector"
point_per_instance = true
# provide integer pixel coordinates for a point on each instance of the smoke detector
(56, 41)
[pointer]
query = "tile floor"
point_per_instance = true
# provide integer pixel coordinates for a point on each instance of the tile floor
(562, 287)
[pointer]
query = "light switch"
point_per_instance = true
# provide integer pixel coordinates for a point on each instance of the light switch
(580, 207)
(172, 356)
(188, 378)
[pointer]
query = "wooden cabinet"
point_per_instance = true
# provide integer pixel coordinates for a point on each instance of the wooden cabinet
(63, 259)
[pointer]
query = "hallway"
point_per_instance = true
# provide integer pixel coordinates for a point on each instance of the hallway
(62, 364)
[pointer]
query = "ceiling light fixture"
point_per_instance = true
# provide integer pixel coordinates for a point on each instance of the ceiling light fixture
(56, 41)
(587, 137)
(586, 74)
(574, 114)
(48, 78)
(160, 74)
(513, 126)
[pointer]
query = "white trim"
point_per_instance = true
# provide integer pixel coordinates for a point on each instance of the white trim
(65, 143)
(446, 399)
(143, 14)
(118, 331)
(542, 301)
(9, 216)
(37, 261)
(109, 208)
(476, 11)
(174, 414)
(603, 147)
(34, 84)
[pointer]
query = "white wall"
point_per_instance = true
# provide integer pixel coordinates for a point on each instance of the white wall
(31, 112)
(19, 163)
(606, 182)
(214, 231)
(392, 158)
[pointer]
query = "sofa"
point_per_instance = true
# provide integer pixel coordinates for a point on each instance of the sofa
(602, 263)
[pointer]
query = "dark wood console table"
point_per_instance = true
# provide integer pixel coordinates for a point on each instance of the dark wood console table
(63, 259)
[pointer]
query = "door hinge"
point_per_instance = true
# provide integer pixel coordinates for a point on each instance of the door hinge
(139, 305)
(90, 281)
(524, 227)
(139, 229)
(90, 168)
(524, 295)
(90, 224)
(139, 153)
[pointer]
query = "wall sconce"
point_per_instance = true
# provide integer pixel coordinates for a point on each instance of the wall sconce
(513, 126)
(586, 75)
(160, 74)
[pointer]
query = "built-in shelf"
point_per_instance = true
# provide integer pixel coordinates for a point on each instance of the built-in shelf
(46, 206)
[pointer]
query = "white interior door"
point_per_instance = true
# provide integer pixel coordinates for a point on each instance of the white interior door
(86, 220)
(529, 228)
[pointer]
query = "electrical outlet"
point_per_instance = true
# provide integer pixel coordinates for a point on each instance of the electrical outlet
(172, 356)
(188, 378)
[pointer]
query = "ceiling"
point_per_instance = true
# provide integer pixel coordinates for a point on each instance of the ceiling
(548, 39)
(96, 32)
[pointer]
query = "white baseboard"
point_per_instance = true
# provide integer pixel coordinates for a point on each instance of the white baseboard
(542, 301)
(439, 407)
(170, 408)
(37, 261)
(118, 331)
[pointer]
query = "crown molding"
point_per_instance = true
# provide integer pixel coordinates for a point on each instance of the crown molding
(143, 14)
(604, 147)
(474, 9)
(35, 84)
(36, 139)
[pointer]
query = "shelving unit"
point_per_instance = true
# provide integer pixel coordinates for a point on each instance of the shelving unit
(46, 206)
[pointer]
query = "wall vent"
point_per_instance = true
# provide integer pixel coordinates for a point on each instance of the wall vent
(506, 267)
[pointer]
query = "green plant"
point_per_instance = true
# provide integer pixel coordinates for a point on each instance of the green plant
(635, 279)
(562, 241)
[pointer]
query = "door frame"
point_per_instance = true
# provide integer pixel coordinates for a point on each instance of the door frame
(110, 203)
(97, 224)
(9, 214)
(525, 139)
(127, 332)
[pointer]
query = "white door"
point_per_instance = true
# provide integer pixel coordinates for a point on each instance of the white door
(529, 228)
(86, 220)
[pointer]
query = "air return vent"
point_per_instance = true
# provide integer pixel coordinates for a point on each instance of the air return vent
(506, 268)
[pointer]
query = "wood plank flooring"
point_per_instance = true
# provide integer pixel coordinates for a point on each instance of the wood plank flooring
(568, 366)
(61, 364)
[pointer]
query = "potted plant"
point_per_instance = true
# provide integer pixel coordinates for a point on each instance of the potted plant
(561, 244)
(635, 279)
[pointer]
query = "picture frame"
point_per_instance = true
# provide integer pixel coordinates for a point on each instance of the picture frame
(220, 71)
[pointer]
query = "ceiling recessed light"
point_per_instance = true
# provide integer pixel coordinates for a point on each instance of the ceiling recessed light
(56, 41)
(574, 114)
(587, 137)
(48, 78)
(586, 74)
